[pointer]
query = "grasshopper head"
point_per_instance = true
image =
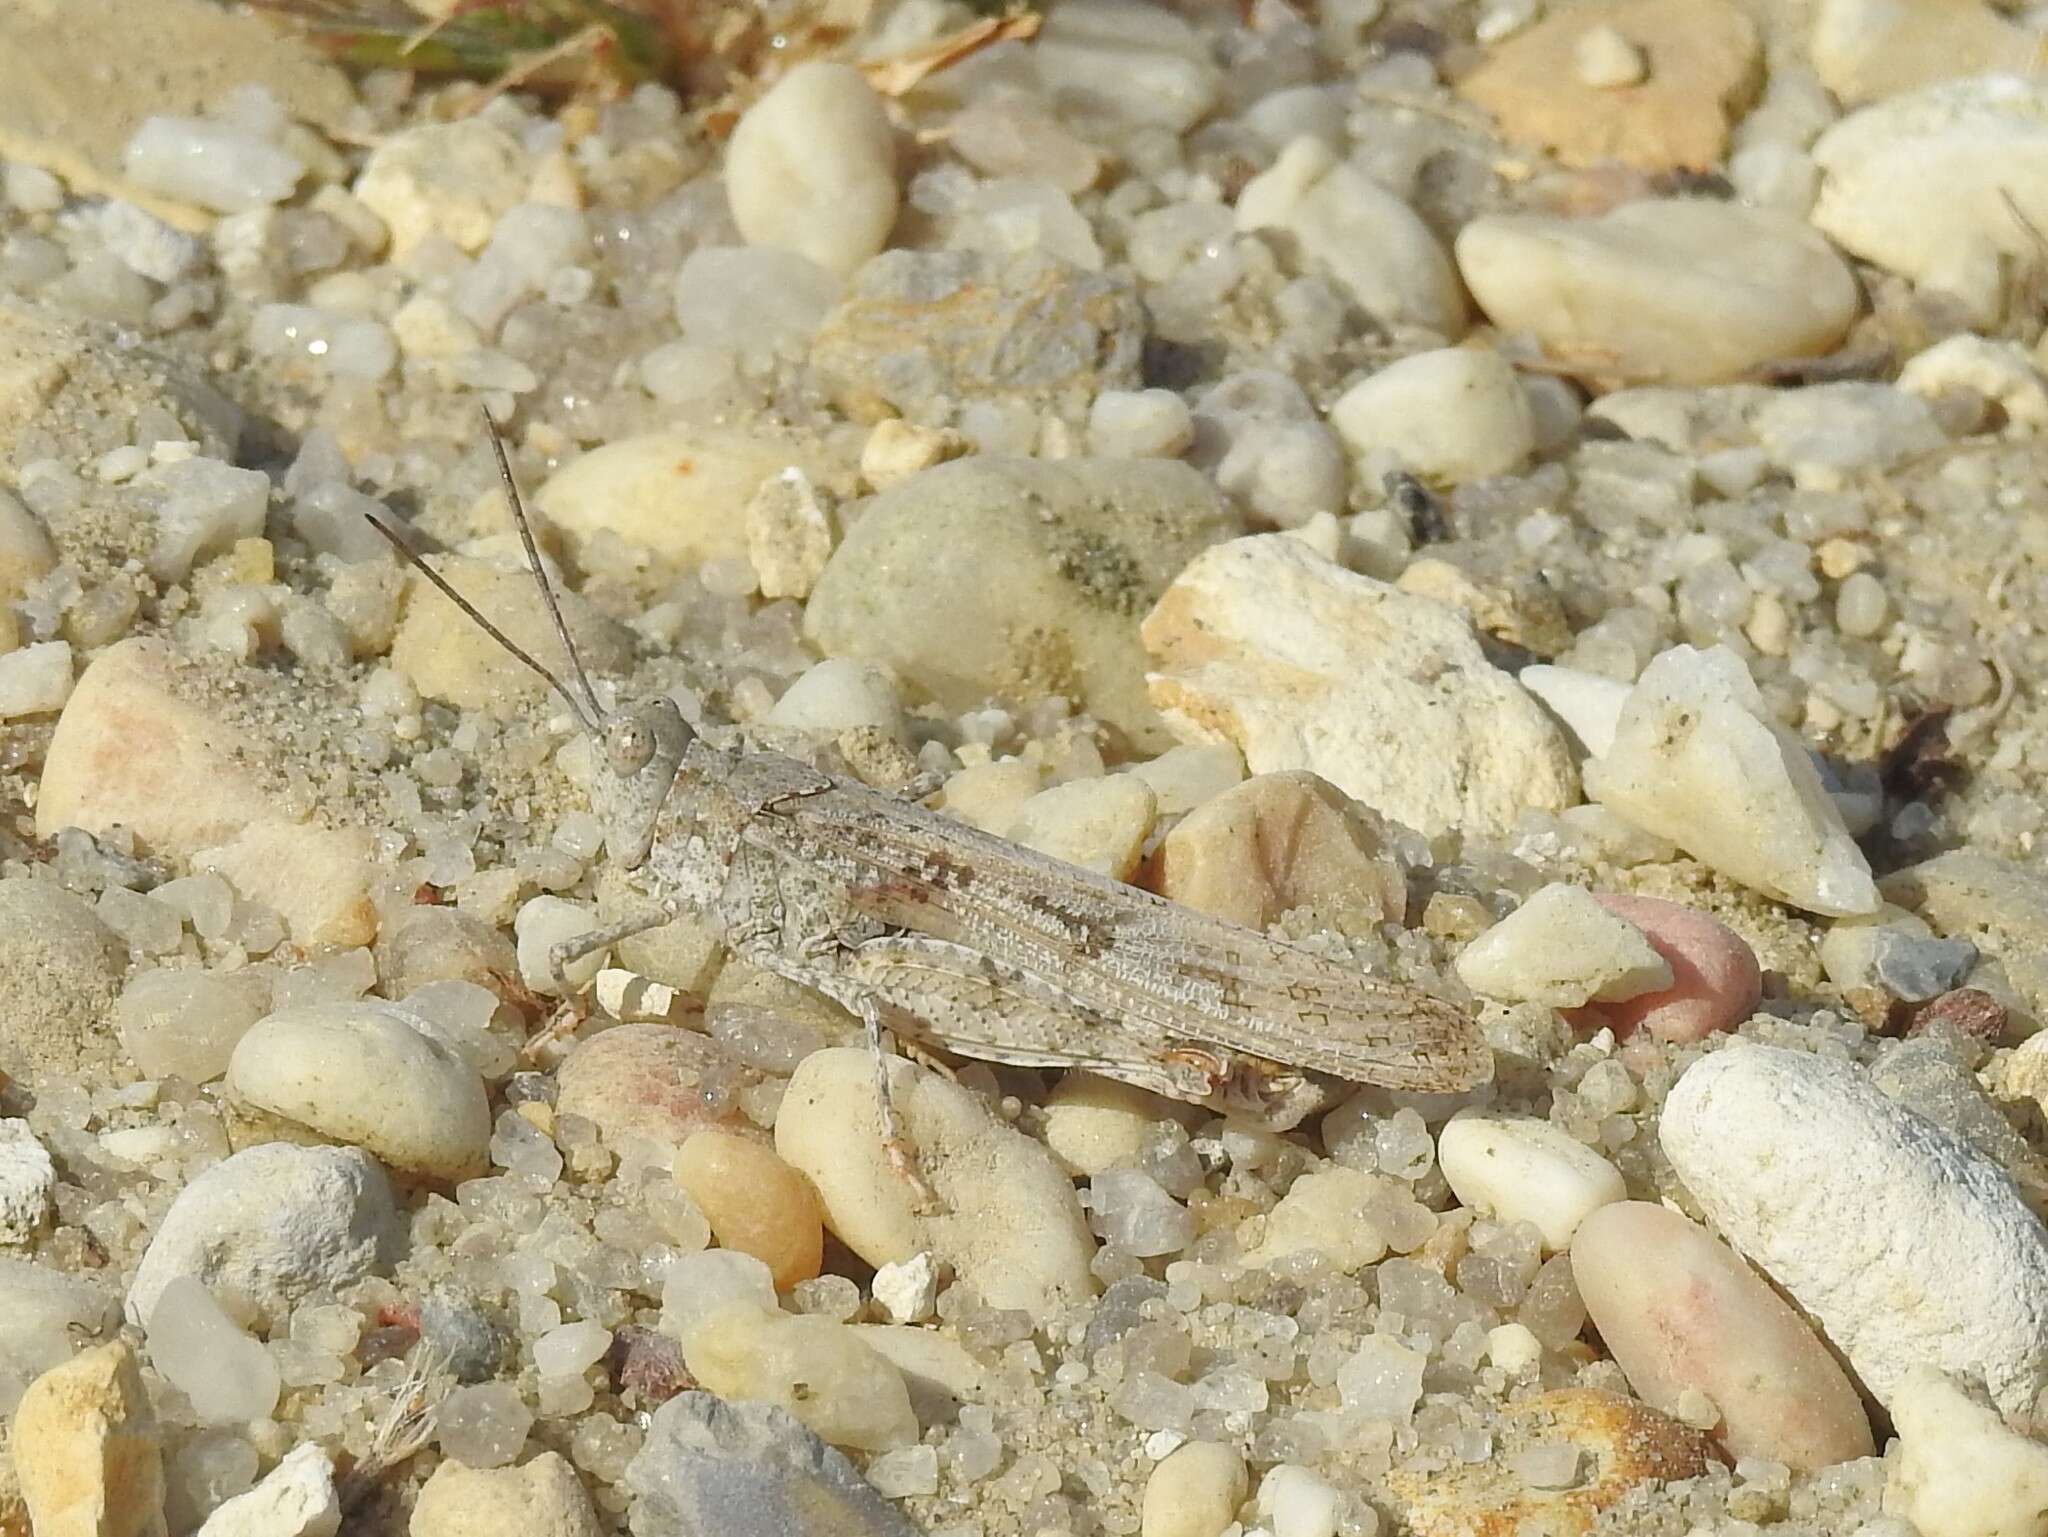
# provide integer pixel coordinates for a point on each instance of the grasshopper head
(642, 752)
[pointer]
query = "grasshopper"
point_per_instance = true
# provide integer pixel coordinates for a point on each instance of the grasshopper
(954, 938)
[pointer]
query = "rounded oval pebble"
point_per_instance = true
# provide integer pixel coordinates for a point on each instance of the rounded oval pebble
(539, 1498)
(1563, 947)
(1679, 290)
(1093, 1124)
(1454, 414)
(1716, 981)
(1680, 1312)
(186, 1023)
(1904, 1243)
(272, 1224)
(59, 970)
(1099, 824)
(361, 1073)
(1007, 1218)
(1520, 1170)
(1194, 1492)
(811, 168)
(651, 1081)
(754, 1202)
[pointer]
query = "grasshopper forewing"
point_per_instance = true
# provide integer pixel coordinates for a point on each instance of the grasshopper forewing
(973, 943)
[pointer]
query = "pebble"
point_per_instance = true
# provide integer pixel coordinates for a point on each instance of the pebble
(1999, 906)
(755, 1203)
(1698, 760)
(1716, 980)
(921, 331)
(839, 695)
(941, 1373)
(226, 1376)
(456, 1328)
(453, 180)
(908, 1291)
(364, 1074)
(1563, 947)
(1448, 416)
(1587, 703)
(1008, 1221)
(445, 655)
(59, 968)
(2003, 373)
(184, 1023)
(1262, 439)
(751, 302)
(1329, 1211)
(748, 1470)
(28, 1183)
(1681, 1313)
(1818, 434)
(1678, 291)
(1518, 1170)
(26, 553)
(1194, 1492)
(1375, 246)
(837, 1385)
(1121, 62)
(42, 1313)
(1099, 824)
(1336, 689)
(1654, 84)
(1959, 1470)
(1280, 842)
(544, 922)
(1622, 1445)
(272, 1225)
(218, 165)
(1839, 1194)
(1030, 571)
(651, 1081)
(132, 750)
(1094, 1124)
(895, 450)
(1297, 1503)
(1140, 424)
(297, 1498)
(789, 535)
(811, 168)
(35, 680)
(483, 1424)
(87, 1449)
(1925, 184)
(1866, 50)
(539, 1498)
(673, 493)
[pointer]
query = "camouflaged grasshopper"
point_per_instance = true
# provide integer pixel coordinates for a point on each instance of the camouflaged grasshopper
(954, 938)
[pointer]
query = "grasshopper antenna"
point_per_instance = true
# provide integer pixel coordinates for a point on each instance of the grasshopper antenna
(411, 557)
(540, 574)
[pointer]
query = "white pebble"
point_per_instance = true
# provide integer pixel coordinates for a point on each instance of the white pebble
(699, 1286)
(365, 1074)
(208, 1357)
(1454, 414)
(1519, 1170)
(569, 1348)
(297, 1498)
(217, 165)
(1697, 759)
(908, 1289)
(1298, 1503)
(840, 694)
(1564, 949)
(544, 922)
(1861, 605)
(811, 168)
(204, 507)
(1194, 1492)
(28, 1182)
(1905, 1244)
(1140, 424)
(30, 188)
(1958, 1470)
(1588, 704)
(1604, 59)
(36, 680)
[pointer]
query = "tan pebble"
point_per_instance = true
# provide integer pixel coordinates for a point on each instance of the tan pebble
(26, 554)
(1680, 1311)
(443, 653)
(541, 1498)
(1328, 1210)
(317, 879)
(896, 450)
(1098, 824)
(1697, 64)
(1604, 59)
(1278, 842)
(87, 1450)
(1840, 557)
(841, 1388)
(1194, 1492)
(1624, 1445)
(651, 1081)
(991, 795)
(754, 1202)
(1093, 1124)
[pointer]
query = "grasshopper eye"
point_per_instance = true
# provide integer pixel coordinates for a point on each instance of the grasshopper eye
(628, 747)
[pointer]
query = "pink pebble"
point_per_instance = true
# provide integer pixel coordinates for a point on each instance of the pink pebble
(1717, 982)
